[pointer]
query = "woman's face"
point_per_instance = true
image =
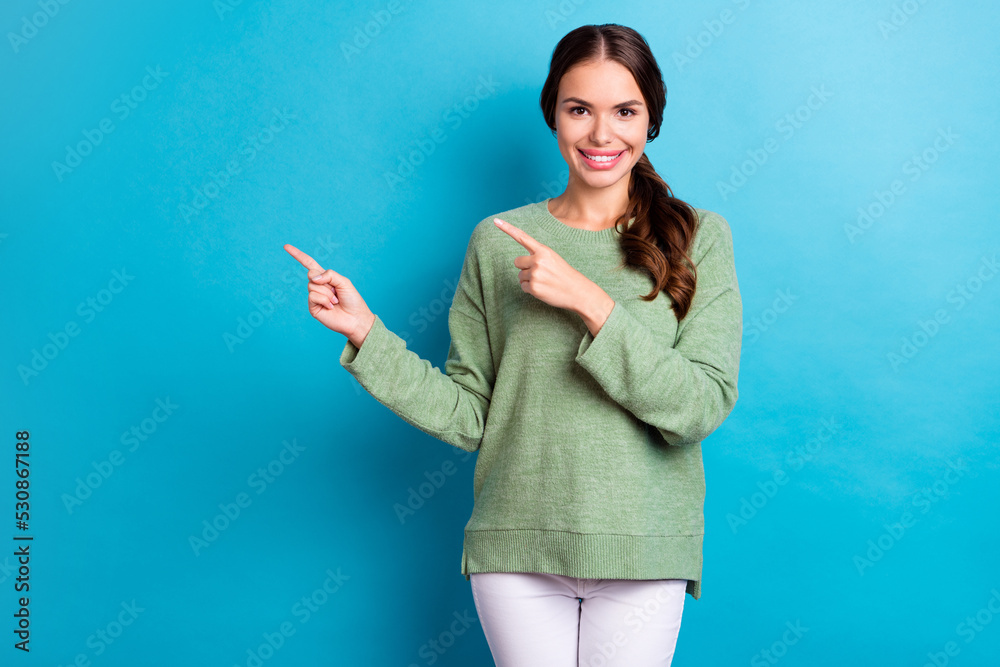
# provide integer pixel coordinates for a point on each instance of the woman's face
(600, 111)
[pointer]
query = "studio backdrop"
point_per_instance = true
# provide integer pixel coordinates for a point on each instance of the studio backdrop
(191, 478)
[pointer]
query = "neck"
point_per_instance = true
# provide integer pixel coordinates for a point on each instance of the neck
(591, 208)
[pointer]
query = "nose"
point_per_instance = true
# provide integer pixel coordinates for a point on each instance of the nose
(600, 131)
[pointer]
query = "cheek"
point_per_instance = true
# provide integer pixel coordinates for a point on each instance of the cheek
(565, 147)
(567, 144)
(638, 137)
(637, 154)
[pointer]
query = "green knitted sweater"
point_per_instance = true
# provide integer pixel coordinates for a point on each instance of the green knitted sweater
(589, 447)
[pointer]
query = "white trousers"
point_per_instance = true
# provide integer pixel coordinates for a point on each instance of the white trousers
(549, 620)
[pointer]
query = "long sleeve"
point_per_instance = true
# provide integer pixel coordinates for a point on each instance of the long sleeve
(451, 406)
(686, 391)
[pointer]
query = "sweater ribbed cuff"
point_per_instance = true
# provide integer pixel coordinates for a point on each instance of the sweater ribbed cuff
(595, 353)
(361, 362)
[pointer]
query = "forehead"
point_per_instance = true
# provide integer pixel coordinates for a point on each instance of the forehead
(606, 81)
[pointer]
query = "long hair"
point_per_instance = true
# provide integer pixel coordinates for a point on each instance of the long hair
(660, 237)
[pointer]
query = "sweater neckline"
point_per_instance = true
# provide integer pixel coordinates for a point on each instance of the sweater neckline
(564, 231)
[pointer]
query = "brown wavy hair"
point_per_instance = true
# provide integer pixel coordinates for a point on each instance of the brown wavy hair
(660, 237)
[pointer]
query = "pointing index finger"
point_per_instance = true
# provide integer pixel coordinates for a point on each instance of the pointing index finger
(304, 259)
(518, 235)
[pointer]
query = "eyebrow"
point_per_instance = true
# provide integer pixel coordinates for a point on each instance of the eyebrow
(630, 103)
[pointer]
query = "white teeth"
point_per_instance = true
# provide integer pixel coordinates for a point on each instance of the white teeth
(602, 158)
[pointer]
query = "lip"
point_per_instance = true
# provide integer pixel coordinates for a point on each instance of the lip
(602, 166)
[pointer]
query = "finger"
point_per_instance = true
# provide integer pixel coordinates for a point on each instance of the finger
(325, 290)
(320, 299)
(519, 235)
(315, 287)
(304, 259)
(329, 276)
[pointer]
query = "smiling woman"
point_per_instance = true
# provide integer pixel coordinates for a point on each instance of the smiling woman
(595, 342)
(606, 97)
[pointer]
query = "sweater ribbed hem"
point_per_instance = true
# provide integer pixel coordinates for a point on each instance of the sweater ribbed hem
(586, 556)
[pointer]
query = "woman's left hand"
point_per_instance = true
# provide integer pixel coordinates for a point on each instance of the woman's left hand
(549, 278)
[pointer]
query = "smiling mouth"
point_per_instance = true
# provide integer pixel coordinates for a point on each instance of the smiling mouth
(602, 162)
(601, 159)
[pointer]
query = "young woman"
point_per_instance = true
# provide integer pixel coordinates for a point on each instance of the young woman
(595, 342)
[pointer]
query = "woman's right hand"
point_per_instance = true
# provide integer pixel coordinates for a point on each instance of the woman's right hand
(334, 301)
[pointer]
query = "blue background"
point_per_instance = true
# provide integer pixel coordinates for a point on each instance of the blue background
(312, 113)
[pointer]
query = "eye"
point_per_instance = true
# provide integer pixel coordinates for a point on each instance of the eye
(630, 111)
(573, 110)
